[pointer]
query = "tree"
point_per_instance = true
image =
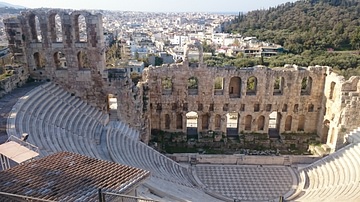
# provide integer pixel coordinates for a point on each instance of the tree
(355, 39)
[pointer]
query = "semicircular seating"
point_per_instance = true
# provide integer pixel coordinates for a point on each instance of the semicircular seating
(333, 178)
(57, 121)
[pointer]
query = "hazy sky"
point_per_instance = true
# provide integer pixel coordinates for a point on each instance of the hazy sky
(154, 5)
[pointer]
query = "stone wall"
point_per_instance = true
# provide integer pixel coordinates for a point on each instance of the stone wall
(19, 76)
(252, 106)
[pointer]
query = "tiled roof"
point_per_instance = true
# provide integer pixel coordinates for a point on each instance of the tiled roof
(66, 176)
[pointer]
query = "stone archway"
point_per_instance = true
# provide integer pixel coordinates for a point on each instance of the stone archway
(192, 123)
(232, 124)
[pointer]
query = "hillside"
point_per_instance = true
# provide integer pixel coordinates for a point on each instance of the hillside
(304, 25)
(4, 4)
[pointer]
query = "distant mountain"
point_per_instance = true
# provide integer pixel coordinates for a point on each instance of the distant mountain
(4, 4)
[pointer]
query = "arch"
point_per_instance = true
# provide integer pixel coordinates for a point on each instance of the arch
(301, 123)
(235, 87)
(310, 108)
(193, 86)
(179, 121)
(232, 123)
(251, 85)
(219, 86)
(296, 108)
(306, 85)
(80, 26)
(332, 88)
(167, 85)
(83, 61)
(167, 121)
(285, 108)
(55, 25)
(35, 28)
(60, 60)
(192, 123)
(261, 123)
(217, 122)
(39, 60)
(279, 85)
(248, 120)
(191, 46)
(274, 124)
(325, 131)
(288, 122)
(205, 119)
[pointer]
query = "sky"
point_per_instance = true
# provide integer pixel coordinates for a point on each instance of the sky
(154, 5)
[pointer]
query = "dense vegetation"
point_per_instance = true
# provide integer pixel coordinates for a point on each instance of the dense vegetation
(304, 25)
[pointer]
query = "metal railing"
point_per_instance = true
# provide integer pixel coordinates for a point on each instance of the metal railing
(108, 196)
(20, 198)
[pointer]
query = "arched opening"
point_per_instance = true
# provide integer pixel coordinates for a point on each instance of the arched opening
(248, 121)
(39, 60)
(261, 123)
(193, 86)
(279, 86)
(35, 29)
(235, 87)
(219, 86)
(232, 123)
(310, 108)
(60, 60)
(167, 121)
(288, 122)
(192, 123)
(179, 121)
(166, 84)
(285, 108)
(56, 28)
(251, 86)
(274, 124)
(80, 29)
(325, 131)
(332, 88)
(83, 62)
(217, 122)
(301, 124)
(112, 106)
(296, 108)
(205, 119)
(306, 84)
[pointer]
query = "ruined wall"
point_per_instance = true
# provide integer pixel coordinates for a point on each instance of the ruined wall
(253, 106)
(70, 58)
(342, 104)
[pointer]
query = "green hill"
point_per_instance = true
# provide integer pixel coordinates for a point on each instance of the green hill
(304, 25)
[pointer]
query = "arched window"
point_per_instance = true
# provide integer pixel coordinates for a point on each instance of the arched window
(306, 85)
(179, 121)
(279, 86)
(235, 87)
(205, 121)
(219, 86)
(193, 86)
(285, 108)
(310, 108)
(296, 108)
(261, 123)
(217, 122)
(56, 28)
(80, 28)
(166, 84)
(35, 29)
(167, 121)
(332, 87)
(251, 86)
(60, 60)
(301, 124)
(288, 122)
(83, 61)
(248, 120)
(39, 60)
